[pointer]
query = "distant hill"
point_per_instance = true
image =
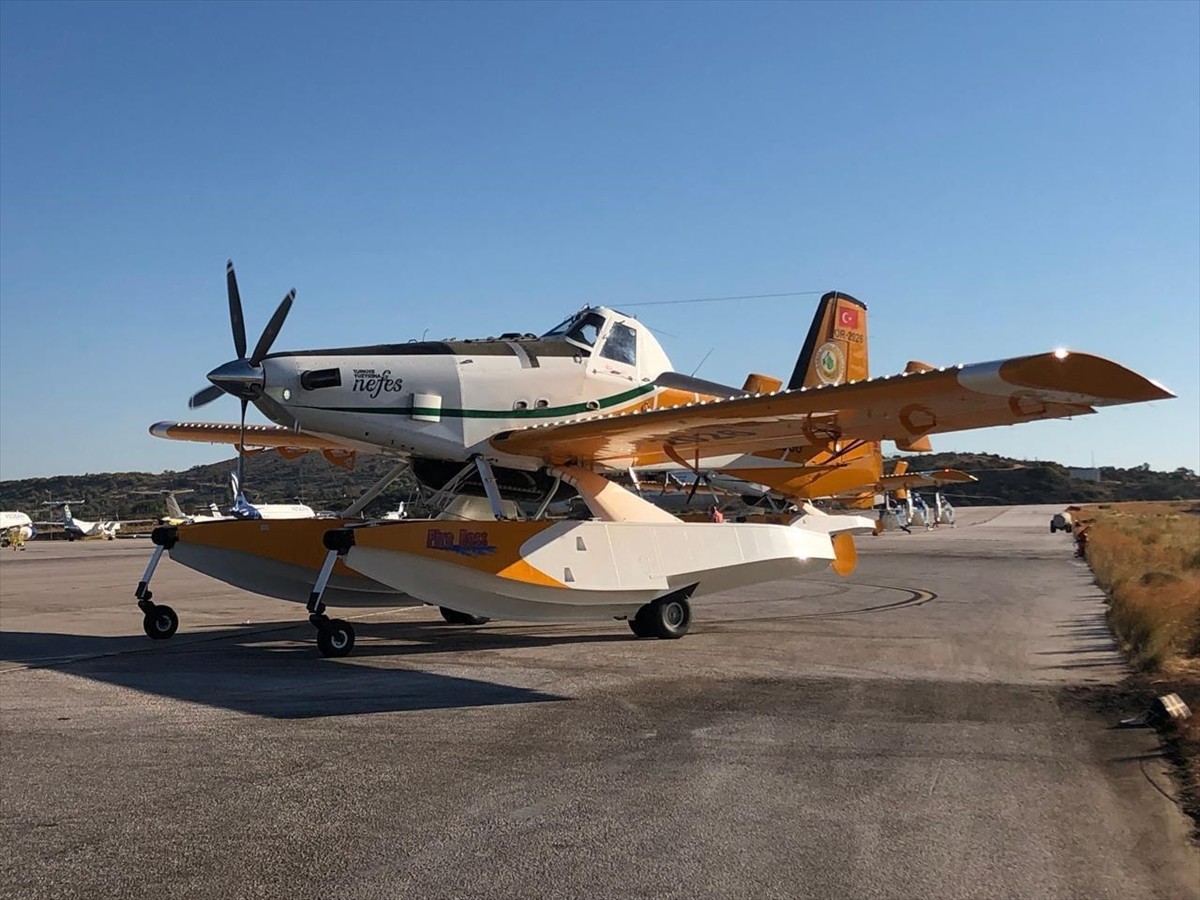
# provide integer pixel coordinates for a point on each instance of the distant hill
(269, 478)
(1011, 481)
(313, 480)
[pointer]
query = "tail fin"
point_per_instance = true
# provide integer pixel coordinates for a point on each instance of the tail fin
(173, 509)
(835, 350)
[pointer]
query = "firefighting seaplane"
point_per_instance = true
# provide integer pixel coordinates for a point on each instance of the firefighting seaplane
(527, 418)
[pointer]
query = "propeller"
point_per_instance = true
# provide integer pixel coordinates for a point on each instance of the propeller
(242, 378)
(205, 396)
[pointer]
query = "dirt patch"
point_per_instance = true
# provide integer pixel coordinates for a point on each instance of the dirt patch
(1180, 741)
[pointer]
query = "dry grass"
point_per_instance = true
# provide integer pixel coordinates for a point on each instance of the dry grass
(1146, 557)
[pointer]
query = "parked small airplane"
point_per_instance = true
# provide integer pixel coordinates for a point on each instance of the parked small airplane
(524, 416)
(912, 511)
(15, 527)
(244, 509)
(727, 491)
(240, 509)
(175, 514)
(78, 528)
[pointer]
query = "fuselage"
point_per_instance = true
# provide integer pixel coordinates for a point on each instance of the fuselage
(16, 520)
(285, 511)
(88, 529)
(445, 399)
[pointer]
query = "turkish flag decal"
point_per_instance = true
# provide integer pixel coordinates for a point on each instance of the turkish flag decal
(847, 317)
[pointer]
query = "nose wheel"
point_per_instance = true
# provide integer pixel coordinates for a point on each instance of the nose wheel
(335, 637)
(159, 621)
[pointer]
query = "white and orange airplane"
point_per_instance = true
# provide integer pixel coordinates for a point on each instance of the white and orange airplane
(529, 417)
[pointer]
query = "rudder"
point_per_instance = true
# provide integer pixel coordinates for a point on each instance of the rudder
(835, 350)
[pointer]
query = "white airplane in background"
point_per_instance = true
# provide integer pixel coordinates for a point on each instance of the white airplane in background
(175, 514)
(244, 509)
(77, 528)
(15, 523)
(520, 416)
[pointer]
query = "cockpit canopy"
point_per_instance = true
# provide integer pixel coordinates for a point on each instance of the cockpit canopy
(582, 329)
(610, 335)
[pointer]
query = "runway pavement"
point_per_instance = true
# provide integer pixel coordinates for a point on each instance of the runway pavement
(937, 725)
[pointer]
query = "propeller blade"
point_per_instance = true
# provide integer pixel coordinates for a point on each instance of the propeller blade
(236, 320)
(204, 396)
(263, 347)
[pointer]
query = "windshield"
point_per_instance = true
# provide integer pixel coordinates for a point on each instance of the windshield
(582, 328)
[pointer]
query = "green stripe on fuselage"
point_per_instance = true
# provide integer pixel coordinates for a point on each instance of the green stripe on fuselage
(545, 412)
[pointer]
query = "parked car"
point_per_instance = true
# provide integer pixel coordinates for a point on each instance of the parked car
(1061, 522)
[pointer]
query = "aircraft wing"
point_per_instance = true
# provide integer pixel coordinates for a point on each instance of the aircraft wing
(898, 407)
(257, 436)
(911, 480)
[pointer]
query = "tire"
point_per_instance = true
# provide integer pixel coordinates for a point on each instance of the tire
(640, 627)
(454, 617)
(160, 622)
(667, 618)
(335, 638)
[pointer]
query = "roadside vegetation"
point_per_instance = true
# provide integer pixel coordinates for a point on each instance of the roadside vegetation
(1146, 557)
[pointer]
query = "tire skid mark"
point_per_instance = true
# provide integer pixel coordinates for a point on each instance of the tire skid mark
(916, 597)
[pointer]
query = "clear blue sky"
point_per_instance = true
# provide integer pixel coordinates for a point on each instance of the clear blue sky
(991, 179)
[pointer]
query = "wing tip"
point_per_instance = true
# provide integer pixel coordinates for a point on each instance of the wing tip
(1082, 377)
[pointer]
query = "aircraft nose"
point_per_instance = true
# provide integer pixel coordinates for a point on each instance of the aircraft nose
(238, 377)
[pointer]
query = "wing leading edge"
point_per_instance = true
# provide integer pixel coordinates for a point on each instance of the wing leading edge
(898, 407)
(257, 436)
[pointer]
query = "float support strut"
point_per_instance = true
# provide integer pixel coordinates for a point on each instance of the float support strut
(488, 477)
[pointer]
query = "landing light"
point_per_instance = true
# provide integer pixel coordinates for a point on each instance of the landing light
(1061, 353)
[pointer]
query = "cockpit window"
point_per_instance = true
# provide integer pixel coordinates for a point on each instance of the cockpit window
(621, 344)
(582, 328)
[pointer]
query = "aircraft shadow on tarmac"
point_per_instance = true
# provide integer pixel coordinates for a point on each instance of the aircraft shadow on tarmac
(263, 670)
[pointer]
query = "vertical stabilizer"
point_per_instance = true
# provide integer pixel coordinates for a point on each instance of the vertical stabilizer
(901, 468)
(835, 350)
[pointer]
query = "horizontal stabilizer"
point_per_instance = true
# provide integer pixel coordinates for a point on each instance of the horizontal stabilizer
(912, 480)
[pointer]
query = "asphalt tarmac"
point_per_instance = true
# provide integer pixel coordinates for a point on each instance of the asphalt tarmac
(938, 725)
